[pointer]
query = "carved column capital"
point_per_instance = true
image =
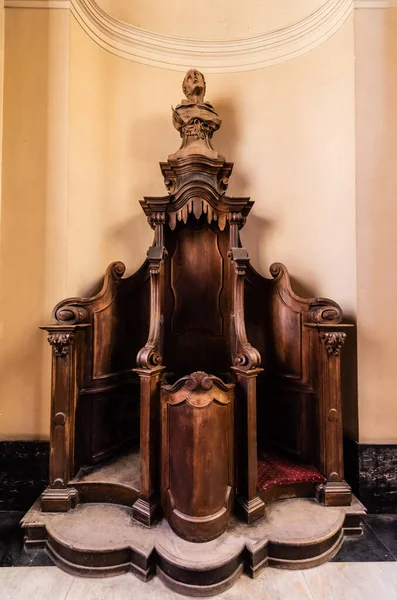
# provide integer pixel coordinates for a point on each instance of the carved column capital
(333, 341)
(240, 259)
(237, 218)
(61, 342)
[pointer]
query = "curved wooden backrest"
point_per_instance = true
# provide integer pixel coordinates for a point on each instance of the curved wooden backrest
(197, 306)
(275, 316)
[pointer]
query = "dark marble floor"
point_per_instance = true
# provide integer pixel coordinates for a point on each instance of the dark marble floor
(377, 544)
(12, 551)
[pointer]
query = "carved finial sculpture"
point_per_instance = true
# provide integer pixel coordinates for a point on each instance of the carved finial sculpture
(195, 119)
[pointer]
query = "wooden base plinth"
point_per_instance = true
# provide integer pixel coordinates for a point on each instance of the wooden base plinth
(99, 540)
(59, 500)
(250, 510)
(335, 493)
(145, 512)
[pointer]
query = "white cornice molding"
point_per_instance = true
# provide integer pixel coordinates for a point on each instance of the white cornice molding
(177, 53)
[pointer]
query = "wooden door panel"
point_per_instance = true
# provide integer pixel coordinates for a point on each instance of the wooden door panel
(197, 455)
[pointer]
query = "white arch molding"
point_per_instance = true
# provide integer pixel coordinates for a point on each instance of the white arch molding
(226, 56)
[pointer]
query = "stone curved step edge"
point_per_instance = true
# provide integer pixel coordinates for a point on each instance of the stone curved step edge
(310, 562)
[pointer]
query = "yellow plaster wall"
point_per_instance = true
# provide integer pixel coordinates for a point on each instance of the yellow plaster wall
(376, 102)
(33, 212)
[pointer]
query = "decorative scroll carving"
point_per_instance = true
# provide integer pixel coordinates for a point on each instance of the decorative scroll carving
(198, 380)
(325, 311)
(202, 390)
(245, 356)
(73, 311)
(333, 341)
(319, 310)
(149, 357)
(197, 166)
(60, 342)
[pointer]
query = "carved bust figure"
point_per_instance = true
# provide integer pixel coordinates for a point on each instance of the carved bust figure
(195, 119)
(193, 86)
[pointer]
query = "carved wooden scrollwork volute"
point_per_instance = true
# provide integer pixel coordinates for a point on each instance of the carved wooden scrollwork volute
(245, 356)
(149, 357)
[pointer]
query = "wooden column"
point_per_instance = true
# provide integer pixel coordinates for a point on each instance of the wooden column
(66, 343)
(246, 366)
(326, 342)
(246, 453)
(150, 369)
(146, 508)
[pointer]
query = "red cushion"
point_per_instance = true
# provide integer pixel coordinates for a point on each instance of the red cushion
(278, 470)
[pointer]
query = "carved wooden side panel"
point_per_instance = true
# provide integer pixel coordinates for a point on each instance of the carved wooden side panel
(107, 411)
(197, 456)
(275, 320)
(274, 308)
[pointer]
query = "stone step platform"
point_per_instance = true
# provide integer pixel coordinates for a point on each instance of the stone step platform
(101, 540)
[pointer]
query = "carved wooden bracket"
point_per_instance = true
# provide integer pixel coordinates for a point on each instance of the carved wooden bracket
(333, 341)
(245, 356)
(149, 357)
(60, 342)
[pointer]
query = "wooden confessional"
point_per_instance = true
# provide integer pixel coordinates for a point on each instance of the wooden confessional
(196, 389)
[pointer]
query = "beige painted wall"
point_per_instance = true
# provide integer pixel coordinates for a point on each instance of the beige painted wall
(33, 212)
(288, 128)
(376, 92)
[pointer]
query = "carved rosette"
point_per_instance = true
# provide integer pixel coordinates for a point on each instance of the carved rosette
(60, 342)
(333, 341)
